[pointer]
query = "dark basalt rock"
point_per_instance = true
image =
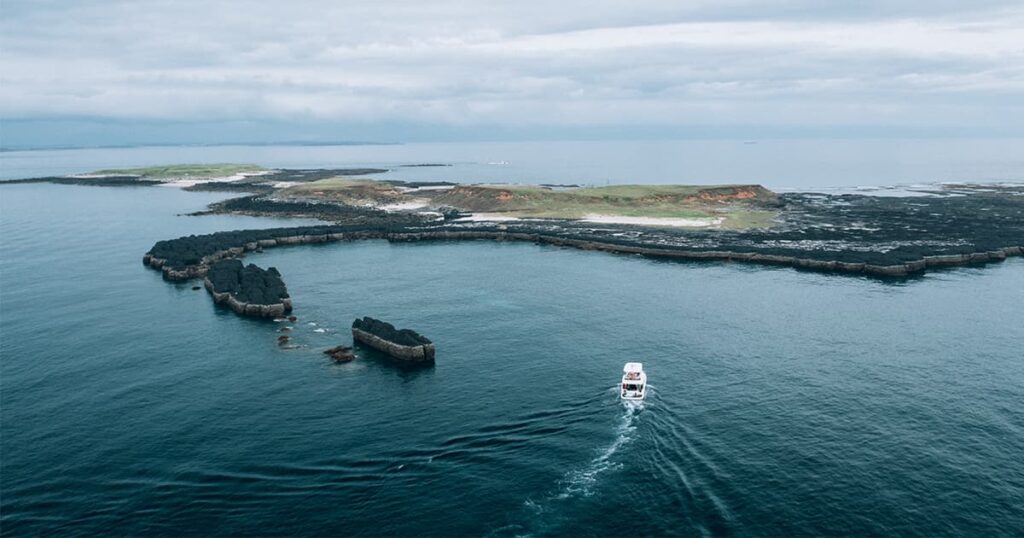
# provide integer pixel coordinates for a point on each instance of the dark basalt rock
(101, 181)
(194, 250)
(230, 186)
(340, 354)
(248, 290)
(451, 213)
(404, 344)
(387, 331)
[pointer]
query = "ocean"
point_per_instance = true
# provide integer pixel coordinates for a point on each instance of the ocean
(782, 402)
(777, 164)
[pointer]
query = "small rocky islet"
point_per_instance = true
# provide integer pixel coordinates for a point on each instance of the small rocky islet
(248, 289)
(404, 344)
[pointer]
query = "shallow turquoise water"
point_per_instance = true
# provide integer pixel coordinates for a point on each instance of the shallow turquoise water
(784, 402)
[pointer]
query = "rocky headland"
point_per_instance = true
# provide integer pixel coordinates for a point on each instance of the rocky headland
(847, 233)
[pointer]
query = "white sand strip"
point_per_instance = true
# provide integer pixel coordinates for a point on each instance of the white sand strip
(404, 206)
(653, 221)
(187, 181)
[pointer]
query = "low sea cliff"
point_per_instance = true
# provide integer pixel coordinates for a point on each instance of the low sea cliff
(403, 344)
(248, 290)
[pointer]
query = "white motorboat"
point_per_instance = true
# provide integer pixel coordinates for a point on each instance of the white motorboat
(634, 382)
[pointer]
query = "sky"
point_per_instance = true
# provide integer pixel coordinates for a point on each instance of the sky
(186, 71)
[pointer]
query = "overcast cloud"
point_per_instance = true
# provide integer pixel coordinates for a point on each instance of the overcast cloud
(923, 65)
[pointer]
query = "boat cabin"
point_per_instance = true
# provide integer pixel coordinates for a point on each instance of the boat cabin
(634, 382)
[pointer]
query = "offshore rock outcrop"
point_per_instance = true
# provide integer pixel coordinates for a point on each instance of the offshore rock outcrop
(340, 354)
(403, 344)
(248, 290)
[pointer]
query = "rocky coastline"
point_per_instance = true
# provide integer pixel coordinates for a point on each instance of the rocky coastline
(203, 250)
(402, 344)
(879, 237)
(89, 181)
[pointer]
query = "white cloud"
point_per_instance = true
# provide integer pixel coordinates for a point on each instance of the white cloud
(916, 64)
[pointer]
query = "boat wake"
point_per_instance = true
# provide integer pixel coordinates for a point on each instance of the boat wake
(581, 481)
(543, 515)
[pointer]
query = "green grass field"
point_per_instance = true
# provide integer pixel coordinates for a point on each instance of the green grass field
(336, 184)
(182, 170)
(659, 201)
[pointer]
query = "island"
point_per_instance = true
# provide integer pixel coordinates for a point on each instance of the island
(848, 233)
(227, 177)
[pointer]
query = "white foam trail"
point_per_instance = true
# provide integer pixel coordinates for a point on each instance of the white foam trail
(319, 330)
(581, 481)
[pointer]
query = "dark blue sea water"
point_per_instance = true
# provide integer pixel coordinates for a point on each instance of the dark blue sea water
(783, 403)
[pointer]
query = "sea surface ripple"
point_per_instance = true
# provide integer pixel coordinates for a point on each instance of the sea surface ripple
(782, 403)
